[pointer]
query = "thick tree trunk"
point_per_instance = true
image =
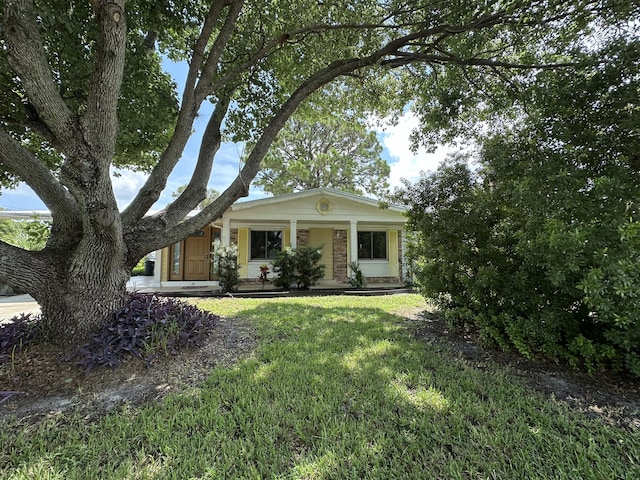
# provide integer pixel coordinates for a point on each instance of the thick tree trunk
(91, 285)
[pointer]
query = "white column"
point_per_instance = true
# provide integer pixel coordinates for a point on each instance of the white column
(226, 232)
(353, 235)
(293, 236)
(157, 269)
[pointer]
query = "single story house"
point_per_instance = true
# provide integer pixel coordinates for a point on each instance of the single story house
(345, 226)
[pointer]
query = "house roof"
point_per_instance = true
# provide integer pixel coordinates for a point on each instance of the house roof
(25, 215)
(328, 192)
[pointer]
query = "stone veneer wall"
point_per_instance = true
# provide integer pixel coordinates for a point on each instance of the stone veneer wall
(302, 237)
(340, 256)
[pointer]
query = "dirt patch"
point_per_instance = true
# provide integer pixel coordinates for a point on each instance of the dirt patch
(613, 398)
(47, 385)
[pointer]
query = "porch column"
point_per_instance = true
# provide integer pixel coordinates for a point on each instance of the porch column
(157, 269)
(226, 232)
(353, 235)
(293, 236)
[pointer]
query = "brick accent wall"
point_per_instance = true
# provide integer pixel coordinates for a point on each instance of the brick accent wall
(302, 238)
(233, 236)
(340, 256)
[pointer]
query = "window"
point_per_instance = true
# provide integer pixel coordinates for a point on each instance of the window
(265, 244)
(372, 245)
(175, 269)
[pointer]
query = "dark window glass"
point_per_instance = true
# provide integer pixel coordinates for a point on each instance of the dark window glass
(265, 244)
(372, 245)
(176, 259)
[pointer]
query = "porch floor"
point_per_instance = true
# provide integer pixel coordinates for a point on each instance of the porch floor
(145, 284)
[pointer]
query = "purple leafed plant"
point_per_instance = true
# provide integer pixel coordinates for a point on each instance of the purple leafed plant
(146, 327)
(17, 334)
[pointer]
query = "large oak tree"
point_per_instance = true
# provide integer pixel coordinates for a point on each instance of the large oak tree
(82, 90)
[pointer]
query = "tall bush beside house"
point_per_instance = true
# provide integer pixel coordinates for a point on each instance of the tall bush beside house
(225, 260)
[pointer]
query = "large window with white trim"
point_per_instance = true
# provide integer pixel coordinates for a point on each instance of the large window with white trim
(265, 244)
(372, 245)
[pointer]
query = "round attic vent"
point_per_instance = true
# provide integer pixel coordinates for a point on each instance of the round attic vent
(324, 206)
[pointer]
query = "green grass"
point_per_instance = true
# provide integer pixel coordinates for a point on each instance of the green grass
(337, 389)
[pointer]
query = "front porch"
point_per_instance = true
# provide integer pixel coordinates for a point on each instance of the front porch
(147, 284)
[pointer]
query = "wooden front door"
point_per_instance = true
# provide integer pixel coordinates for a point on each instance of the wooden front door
(196, 257)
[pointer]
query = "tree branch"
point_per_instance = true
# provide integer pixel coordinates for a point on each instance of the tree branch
(26, 55)
(22, 163)
(24, 270)
(196, 190)
(100, 121)
(210, 67)
(157, 181)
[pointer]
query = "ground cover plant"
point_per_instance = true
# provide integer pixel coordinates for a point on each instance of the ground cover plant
(17, 334)
(337, 388)
(146, 327)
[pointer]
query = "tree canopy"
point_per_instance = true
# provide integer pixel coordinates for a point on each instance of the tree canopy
(329, 152)
(83, 90)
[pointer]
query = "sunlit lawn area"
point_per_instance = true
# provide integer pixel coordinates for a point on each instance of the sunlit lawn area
(337, 388)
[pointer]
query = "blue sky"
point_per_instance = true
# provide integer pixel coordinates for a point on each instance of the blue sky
(395, 140)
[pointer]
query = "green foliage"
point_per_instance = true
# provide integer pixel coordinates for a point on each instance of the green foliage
(336, 152)
(139, 268)
(27, 234)
(540, 246)
(284, 264)
(308, 269)
(300, 266)
(225, 262)
(358, 279)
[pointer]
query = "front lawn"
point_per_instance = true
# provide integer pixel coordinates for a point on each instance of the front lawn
(337, 388)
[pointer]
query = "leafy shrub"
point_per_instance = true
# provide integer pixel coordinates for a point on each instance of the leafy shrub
(225, 264)
(146, 327)
(138, 270)
(552, 275)
(16, 334)
(308, 269)
(284, 264)
(300, 266)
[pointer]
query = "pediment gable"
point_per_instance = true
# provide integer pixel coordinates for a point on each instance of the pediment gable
(324, 205)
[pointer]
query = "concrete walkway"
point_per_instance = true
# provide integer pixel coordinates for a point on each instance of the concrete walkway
(15, 305)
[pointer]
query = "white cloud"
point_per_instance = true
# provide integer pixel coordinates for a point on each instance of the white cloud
(126, 184)
(403, 162)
